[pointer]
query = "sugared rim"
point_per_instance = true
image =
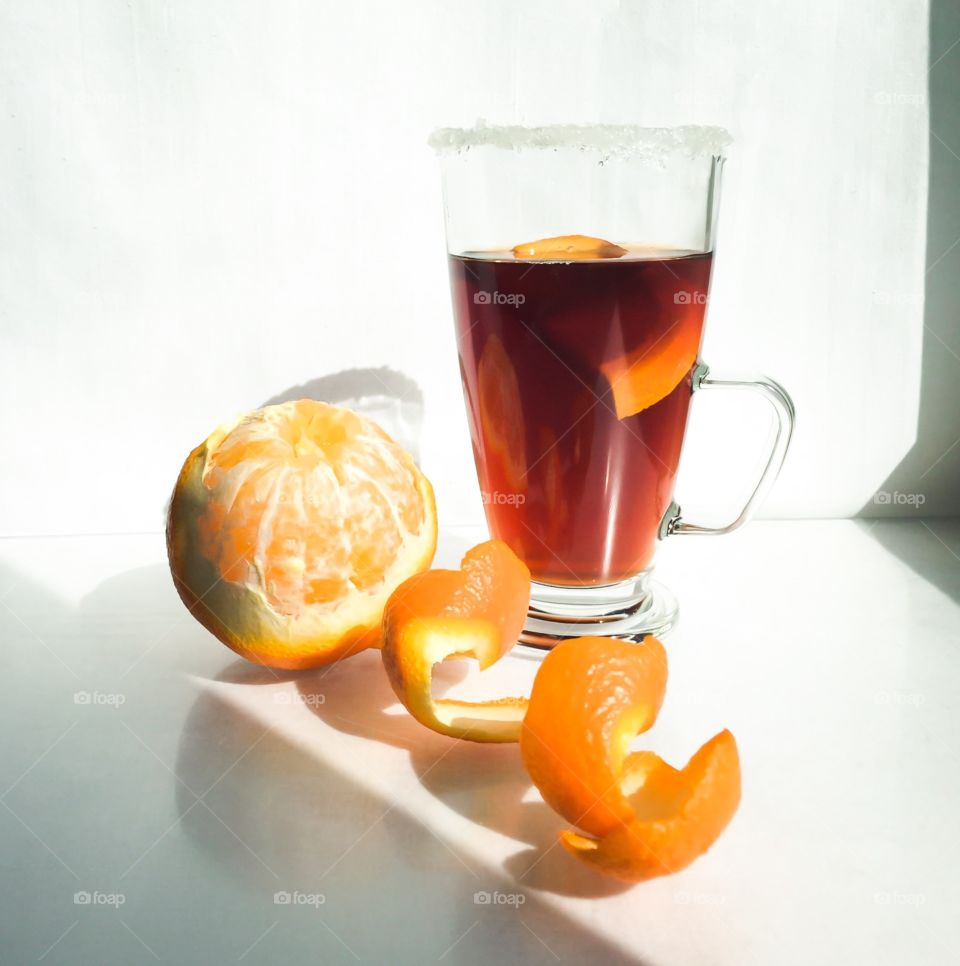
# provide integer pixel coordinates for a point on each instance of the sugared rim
(609, 140)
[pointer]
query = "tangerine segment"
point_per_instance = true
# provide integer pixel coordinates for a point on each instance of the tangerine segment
(591, 696)
(290, 527)
(678, 815)
(568, 248)
(653, 370)
(477, 611)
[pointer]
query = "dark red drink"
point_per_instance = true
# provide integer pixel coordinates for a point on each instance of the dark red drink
(577, 376)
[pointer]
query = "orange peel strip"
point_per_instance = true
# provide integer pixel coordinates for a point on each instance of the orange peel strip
(643, 818)
(591, 697)
(643, 377)
(477, 611)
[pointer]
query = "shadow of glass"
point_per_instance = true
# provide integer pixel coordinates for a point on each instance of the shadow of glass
(485, 783)
(283, 819)
(202, 845)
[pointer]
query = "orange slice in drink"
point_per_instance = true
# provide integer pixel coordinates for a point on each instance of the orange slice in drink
(477, 611)
(642, 817)
(290, 527)
(566, 248)
(652, 370)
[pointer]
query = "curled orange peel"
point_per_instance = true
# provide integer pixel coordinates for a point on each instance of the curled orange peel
(652, 371)
(477, 611)
(642, 817)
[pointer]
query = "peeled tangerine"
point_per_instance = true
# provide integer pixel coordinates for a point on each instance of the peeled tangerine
(643, 818)
(477, 611)
(290, 527)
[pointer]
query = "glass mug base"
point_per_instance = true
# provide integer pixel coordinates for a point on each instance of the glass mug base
(631, 610)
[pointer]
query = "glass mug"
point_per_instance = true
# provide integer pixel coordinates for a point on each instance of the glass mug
(580, 262)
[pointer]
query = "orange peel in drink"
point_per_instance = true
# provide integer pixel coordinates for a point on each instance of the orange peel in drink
(291, 526)
(641, 378)
(501, 413)
(642, 817)
(477, 611)
(568, 248)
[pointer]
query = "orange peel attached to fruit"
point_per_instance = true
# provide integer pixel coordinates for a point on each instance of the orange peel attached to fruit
(643, 818)
(477, 611)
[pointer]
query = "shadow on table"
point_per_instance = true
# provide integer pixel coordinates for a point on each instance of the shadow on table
(929, 547)
(285, 820)
(485, 783)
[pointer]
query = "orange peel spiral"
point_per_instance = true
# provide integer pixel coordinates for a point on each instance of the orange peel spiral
(642, 817)
(477, 611)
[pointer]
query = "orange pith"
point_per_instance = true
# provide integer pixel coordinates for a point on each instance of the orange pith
(645, 818)
(477, 611)
(289, 528)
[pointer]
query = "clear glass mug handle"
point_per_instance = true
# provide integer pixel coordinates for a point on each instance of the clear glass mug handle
(782, 404)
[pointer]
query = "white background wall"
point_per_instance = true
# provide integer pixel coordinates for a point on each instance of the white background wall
(203, 204)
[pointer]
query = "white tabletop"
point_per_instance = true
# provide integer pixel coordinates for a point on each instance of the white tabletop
(180, 789)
